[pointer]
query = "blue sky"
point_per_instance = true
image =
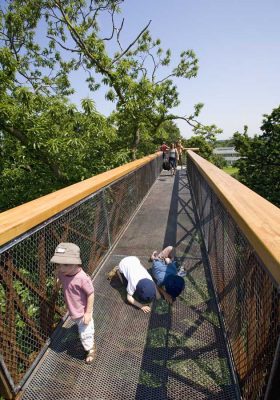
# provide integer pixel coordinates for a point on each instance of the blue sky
(238, 46)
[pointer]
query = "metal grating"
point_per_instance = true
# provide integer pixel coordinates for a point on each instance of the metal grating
(247, 294)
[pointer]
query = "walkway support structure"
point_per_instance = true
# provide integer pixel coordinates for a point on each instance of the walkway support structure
(92, 214)
(241, 231)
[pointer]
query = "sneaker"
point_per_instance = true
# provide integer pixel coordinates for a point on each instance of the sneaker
(182, 272)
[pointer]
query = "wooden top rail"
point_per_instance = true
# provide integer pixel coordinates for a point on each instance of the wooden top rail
(18, 220)
(258, 219)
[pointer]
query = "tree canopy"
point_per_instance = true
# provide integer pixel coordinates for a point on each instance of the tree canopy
(40, 130)
(259, 165)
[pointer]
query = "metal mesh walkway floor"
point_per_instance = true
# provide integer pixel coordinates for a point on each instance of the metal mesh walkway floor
(175, 352)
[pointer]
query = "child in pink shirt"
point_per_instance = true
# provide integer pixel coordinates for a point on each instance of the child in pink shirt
(78, 293)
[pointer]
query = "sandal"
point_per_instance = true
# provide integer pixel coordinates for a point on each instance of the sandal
(91, 355)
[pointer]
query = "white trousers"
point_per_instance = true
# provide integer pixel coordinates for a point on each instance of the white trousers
(86, 333)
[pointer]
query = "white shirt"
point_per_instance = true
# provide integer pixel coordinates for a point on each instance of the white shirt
(133, 271)
(172, 153)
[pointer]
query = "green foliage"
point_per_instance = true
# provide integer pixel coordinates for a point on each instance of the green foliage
(225, 143)
(169, 132)
(142, 99)
(218, 160)
(47, 143)
(40, 135)
(233, 171)
(205, 147)
(259, 166)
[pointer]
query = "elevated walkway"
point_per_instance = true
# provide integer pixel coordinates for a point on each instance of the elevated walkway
(176, 352)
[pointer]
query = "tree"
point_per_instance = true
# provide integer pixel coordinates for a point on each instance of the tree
(225, 143)
(205, 140)
(142, 94)
(36, 118)
(259, 165)
(41, 135)
(170, 132)
(219, 161)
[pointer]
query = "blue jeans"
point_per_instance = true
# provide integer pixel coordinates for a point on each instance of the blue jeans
(172, 162)
(160, 270)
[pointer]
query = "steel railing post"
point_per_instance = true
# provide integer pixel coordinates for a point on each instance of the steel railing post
(106, 218)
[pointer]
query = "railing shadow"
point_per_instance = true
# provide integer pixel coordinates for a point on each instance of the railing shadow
(183, 353)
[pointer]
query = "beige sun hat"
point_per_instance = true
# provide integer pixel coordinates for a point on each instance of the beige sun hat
(67, 253)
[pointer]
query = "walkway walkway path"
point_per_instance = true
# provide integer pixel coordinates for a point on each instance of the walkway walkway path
(175, 352)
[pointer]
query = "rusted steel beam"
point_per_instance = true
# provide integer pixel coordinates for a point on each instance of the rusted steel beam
(5, 388)
(17, 274)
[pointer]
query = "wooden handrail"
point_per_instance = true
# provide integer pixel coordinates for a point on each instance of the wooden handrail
(258, 219)
(18, 220)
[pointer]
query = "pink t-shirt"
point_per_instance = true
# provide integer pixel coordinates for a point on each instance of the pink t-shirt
(76, 289)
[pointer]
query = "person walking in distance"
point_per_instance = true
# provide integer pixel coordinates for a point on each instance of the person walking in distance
(173, 157)
(180, 148)
(164, 148)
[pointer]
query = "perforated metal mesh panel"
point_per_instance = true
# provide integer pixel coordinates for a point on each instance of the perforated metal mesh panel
(247, 294)
(30, 306)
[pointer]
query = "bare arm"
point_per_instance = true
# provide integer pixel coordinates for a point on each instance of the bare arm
(134, 302)
(131, 299)
(89, 309)
(158, 296)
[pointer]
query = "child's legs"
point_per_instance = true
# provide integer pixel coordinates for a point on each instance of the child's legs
(166, 252)
(86, 333)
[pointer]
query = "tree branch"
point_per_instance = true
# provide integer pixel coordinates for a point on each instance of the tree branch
(118, 35)
(164, 79)
(61, 45)
(80, 42)
(171, 117)
(132, 43)
(100, 8)
(113, 28)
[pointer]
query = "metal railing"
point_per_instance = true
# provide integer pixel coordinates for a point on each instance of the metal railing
(241, 235)
(245, 269)
(30, 304)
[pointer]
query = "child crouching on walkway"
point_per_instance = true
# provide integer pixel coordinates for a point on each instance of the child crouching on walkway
(78, 293)
(167, 274)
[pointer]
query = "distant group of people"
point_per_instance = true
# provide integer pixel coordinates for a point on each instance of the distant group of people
(166, 279)
(173, 155)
